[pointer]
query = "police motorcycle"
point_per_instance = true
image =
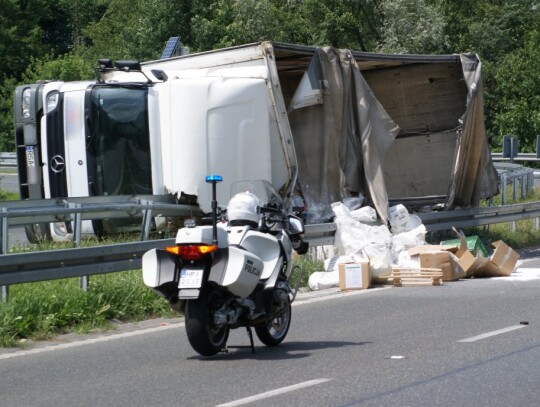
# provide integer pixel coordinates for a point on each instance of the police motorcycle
(233, 273)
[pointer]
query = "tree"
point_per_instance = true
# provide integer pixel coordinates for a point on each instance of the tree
(20, 36)
(68, 67)
(412, 26)
(517, 111)
(7, 139)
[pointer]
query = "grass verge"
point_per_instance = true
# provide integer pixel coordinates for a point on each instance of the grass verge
(45, 309)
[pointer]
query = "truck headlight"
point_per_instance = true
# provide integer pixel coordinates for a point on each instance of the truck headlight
(26, 95)
(52, 101)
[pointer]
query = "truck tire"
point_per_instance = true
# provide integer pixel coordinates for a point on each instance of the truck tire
(38, 232)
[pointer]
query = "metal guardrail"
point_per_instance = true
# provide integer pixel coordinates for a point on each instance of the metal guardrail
(518, 157)
(39, 266)
(8, 160)
(75, 210)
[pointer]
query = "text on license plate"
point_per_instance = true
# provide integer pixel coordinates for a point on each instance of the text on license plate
(30, 158)
(190, 278)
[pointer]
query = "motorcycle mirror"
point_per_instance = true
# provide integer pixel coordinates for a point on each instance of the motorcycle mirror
(295, 225)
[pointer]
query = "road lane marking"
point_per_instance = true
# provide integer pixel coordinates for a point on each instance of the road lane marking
(273, 393)
(90, 341)
(493, 333)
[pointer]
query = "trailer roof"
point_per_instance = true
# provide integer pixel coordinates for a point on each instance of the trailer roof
(298, 57)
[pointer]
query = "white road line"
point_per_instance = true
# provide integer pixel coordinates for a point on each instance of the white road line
(273, 393)
(493, 333)
(90, 341)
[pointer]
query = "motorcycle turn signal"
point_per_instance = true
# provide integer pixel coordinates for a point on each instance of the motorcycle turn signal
(192, 251)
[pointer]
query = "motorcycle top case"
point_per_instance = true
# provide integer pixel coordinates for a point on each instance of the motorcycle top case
(202, 234)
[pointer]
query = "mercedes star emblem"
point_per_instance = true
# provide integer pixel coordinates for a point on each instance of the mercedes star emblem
(58, 164)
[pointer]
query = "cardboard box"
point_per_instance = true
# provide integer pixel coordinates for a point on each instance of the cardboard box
(354, 276)
(444, 260)
(474, 245)
(501, 263)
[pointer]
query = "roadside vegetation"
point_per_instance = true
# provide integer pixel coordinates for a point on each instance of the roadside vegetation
(8, 196)
(526, 233)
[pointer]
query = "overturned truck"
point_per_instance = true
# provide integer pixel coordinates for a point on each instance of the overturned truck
(320, 124)
(405, 128)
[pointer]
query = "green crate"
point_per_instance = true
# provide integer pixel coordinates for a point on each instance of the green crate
(474, 244)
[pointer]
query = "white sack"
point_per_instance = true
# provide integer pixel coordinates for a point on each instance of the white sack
(406, 240)
(399, 219)
(321, 280)
(365, 215)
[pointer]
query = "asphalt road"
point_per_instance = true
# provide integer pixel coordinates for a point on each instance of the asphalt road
(467, 343)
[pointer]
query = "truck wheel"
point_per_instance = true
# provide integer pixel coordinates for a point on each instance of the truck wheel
(37, 232)
(273, 332)
(204, 336)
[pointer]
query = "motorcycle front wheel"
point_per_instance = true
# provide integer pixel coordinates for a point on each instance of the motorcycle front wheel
(273, 332)
(204, 336)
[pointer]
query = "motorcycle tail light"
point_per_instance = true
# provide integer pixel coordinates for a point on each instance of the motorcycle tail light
(191, 251)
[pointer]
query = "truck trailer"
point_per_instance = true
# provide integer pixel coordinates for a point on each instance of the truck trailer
(320, 124)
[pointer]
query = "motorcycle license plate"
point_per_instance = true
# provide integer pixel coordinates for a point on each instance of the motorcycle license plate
(30, 157)
(190, 278)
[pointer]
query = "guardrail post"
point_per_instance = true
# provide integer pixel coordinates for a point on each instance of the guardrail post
(503, 189)
(4, 290)
(77, 225)
(146, 221)
(84, 281)
(4, 230)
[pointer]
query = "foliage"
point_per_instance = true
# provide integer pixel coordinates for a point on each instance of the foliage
(68, 67)
(7, 90)
(7, 195)
(412, 26)
(518, 93)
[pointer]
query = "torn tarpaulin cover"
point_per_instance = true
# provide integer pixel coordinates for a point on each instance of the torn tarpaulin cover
(344, 133)
(341, 143)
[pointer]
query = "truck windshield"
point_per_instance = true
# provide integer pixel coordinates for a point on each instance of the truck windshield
(118, 144)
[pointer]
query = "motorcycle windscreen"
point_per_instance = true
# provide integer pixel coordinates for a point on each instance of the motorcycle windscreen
(219, 126)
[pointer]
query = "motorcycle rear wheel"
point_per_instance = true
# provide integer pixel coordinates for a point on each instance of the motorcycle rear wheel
(204, 336)
(274, 331)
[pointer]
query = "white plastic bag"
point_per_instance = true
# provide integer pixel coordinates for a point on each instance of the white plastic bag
(321, 280)
(399, 219)
(367, 214)
(406, 240)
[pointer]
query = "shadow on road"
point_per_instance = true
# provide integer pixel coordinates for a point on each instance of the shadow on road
(287, 350)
